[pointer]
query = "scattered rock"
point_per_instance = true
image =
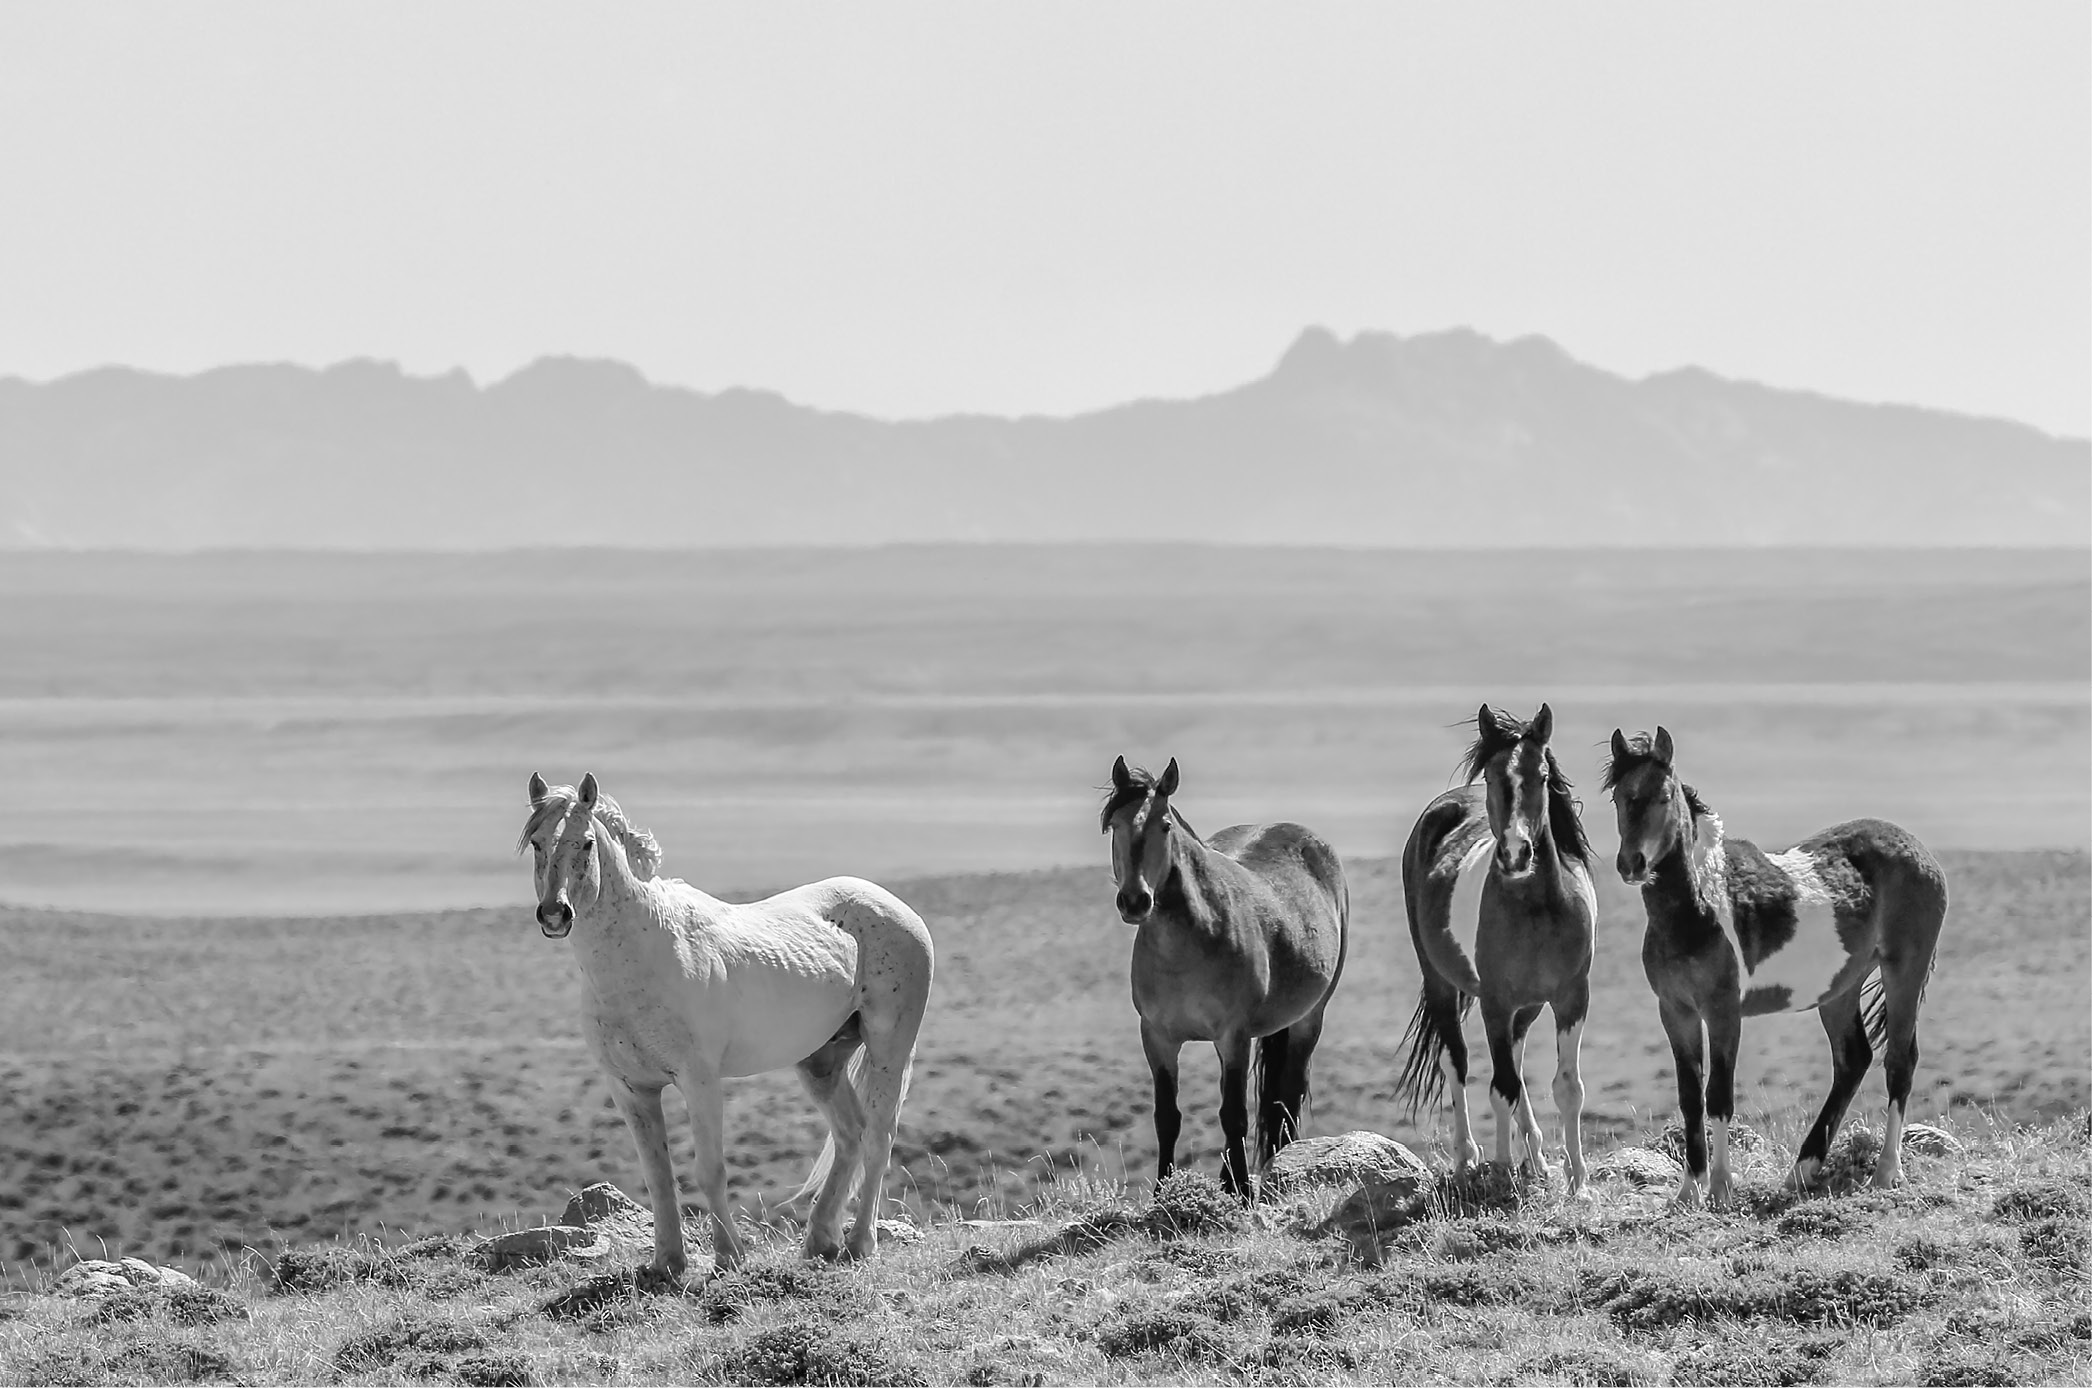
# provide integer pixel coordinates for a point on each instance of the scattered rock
(1928, 1141)
(527, 1247)
(900, 1231)
(604, 1203)
(100, 1277)
(1637, 1166)
(1376, 1210)
(1342, 1160)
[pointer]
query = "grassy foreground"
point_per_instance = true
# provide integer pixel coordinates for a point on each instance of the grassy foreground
(1975, 1271)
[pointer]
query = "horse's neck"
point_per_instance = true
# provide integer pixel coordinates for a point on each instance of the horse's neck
(1690, 881)
(623, 902)
(1187, 892)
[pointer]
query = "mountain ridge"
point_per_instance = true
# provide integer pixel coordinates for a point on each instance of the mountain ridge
(1446, 439)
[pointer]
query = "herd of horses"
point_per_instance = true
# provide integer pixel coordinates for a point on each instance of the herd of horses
(1240, 942)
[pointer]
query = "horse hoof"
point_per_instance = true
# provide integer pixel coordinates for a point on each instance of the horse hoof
(822, 1251)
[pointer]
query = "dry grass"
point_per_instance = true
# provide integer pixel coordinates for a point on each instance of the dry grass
(1937, 1282)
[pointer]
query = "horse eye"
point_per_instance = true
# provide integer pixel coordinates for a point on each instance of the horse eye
(588, 845)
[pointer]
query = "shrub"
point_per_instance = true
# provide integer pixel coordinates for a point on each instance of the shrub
(495, 1371)
(308, 1270)
(2039, 1200)
(1648, 1298)
(1965, 1368)
(409, 1338)
(2056, 1243)
(1817, 1219)
(1315, 1314)
(1188, 1203)
(1749, 1363)
(804, 1353)
(1164, 1330)
(1469, 1285)
(1584, 1367)
(145, 1359)
(828, 1293)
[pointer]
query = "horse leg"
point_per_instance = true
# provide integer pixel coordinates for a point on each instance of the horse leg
(641, 1110)
(1234, 1052)
(1569, 1012)
(826, 1076)
(1535, 1163)
(1280, 1120)
(707, 1099)
(888, 1059)
(1901, 992)
(1506, 1087)
(1162, 1064)
(1682, 1025)
(1850, 1056)
(1724, 1038)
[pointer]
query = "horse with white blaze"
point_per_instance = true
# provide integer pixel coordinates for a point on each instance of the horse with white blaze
(1496, 881)
(683, 989)
(1735, 932)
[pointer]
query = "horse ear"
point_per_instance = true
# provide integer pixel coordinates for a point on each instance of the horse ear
(589, 791)
(1543, 724)
(1168, 784)
(1120, 776)
(537, 787)
(1620, 752)
(1662, 746)
(1484, 719)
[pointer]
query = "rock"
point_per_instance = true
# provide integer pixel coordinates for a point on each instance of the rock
(1342, 1160)
(1928, 1141)
(604, 1203)
(900, 1231)
(526, 1247)
(1637, 1166)
(99, 1277)
(1377, 1209)
(144, 1274)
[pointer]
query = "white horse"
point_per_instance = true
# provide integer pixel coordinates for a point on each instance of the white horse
(686, 990)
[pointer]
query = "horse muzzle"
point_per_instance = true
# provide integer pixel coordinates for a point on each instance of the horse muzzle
(1633, 868)
(556, 919)
(1135, 905)
(1515, 860)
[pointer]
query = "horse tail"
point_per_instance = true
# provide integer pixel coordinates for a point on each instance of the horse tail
(848, 1107)
(1874, 1011)
(1422, 1079)
(1282, 1102)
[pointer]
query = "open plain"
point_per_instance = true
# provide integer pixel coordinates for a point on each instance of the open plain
(271, 977)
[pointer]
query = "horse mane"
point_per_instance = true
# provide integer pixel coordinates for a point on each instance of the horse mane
(1139, 781)
(642, 850)
(1501, 734)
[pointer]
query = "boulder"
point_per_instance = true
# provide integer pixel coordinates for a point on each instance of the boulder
(604, 1203)
(526, 1247)
(1345, 1159)
(1928, 1141)
(1378, 1209)
(99, 1277)
(1637, 1166)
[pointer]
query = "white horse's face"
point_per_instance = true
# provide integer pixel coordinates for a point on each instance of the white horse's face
(564, 843)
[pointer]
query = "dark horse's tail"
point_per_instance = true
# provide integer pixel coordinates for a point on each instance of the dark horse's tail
(1422, 1080)
(1282, 1094)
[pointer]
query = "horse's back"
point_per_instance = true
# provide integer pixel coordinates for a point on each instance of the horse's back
(894, 949)
(1284, 851)
(1299, 902)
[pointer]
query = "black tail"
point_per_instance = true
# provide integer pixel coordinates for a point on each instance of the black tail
(1280, 1109)
(1422, 1080)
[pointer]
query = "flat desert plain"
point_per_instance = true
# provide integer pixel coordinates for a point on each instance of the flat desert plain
(271, 974)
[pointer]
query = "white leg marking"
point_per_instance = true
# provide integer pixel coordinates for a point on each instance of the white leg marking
(1888, 1169)
(1465, 1153)
(1569, 1100)
(1500, 1109)
(1717, 1162)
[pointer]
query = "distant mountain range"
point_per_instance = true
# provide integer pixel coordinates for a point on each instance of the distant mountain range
(1443, 439)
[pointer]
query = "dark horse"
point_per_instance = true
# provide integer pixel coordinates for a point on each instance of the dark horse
(1497, 883)
(1241, 939)
(1734, 933)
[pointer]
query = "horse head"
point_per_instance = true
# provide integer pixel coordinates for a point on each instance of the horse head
(1653, 810)
(1137, 816)
(1518, 772)
(562, 835)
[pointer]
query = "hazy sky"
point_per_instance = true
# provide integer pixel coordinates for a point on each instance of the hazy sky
(920, 209)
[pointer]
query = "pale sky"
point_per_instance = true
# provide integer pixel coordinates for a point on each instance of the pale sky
(909, 210)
